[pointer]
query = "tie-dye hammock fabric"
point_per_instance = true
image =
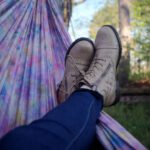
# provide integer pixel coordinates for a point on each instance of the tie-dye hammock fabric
(33, 44)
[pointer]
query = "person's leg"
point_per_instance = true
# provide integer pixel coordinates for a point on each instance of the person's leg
(70, 126)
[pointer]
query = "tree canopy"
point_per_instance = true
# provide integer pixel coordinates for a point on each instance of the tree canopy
(141, 28)
(106, 15)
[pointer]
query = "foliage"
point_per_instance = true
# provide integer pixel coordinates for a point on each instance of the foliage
(135, 118)
(106, 15)
(141, 28)
(135, 77)
(141, 12)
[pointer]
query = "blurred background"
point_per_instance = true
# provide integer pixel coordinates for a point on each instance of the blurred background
(131, 18)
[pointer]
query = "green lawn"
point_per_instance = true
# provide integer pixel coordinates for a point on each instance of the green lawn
(135, 118)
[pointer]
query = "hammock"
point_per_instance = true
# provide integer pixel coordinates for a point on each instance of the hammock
(33, 44)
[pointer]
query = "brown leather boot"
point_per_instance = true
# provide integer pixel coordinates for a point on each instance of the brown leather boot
(101, 75)
(77, 62)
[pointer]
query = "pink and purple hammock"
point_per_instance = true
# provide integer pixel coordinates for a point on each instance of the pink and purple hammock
(33, 44)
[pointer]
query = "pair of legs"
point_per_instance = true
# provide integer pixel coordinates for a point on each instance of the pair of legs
(89, 84)
(70, 126)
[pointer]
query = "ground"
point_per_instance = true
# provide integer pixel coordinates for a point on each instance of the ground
(135, 118)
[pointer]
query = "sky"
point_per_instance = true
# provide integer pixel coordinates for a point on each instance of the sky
(82, 16)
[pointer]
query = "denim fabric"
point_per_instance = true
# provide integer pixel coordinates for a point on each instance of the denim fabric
(70, 126)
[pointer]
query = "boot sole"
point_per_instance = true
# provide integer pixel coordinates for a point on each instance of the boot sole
(117, 99)
(79, 40)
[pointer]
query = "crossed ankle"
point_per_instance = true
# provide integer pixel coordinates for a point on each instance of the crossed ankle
(94, 93)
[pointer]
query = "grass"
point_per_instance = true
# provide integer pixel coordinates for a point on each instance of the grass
(135, 118)
(139, 76)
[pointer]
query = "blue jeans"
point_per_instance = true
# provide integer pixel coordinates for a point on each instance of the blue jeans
(70, 126)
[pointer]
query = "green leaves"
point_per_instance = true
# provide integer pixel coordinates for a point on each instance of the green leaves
(106, 15)
(141, 28)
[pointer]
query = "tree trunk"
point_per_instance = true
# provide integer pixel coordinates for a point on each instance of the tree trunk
(65, 7)
(124, 26)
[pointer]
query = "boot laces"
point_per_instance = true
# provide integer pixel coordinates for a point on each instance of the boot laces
(76, 78)
(100, 67)
(98, 64)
